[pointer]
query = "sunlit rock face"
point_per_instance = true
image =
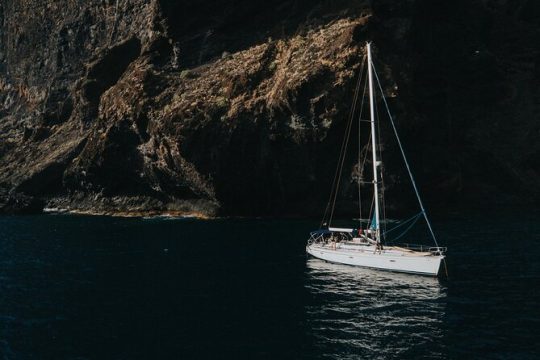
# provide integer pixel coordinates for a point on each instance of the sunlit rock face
(239, 107)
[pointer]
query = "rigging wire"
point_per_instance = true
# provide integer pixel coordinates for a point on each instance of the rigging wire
(405, 158)
(414, 220)
(334, 182)
(360, 163)
(405, 222)
(380, 168)
(342, 163)
(344, 144)
(363, 165)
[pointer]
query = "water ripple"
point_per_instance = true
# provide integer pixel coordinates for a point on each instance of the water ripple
(373, 314)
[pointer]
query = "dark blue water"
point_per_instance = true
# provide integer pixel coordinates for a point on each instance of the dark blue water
(107, 288)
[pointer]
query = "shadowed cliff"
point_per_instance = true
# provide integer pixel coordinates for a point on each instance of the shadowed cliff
(232, 107)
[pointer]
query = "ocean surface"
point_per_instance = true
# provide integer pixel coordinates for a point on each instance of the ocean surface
(76, 287)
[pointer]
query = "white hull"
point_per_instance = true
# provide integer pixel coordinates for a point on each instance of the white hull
(392, 259)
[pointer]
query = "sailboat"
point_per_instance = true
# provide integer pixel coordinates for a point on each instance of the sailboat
(366, 246)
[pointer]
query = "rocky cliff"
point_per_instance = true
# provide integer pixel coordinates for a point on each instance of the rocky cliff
(237, 107)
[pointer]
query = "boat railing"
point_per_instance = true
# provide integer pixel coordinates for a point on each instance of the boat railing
(327, 237)
(435, 250)
(438, 250)
(315, 237)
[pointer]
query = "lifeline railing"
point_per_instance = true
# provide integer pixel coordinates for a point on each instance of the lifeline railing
(435, 250)
(316, 236)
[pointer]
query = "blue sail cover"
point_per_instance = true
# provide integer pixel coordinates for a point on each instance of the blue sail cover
(373, 225)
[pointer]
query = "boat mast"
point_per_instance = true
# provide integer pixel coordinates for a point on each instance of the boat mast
(373, 145)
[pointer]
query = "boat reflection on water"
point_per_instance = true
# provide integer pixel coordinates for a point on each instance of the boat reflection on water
(374, 314)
